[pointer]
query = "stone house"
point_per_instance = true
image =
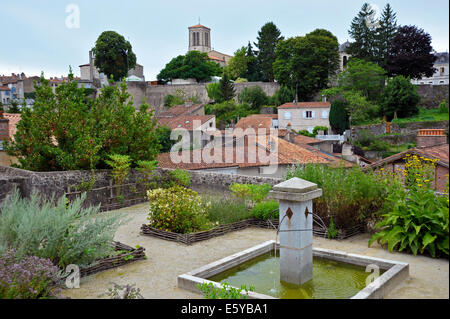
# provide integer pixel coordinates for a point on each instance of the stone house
(304, 115)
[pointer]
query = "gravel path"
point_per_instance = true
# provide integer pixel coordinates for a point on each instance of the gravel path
(157, 276)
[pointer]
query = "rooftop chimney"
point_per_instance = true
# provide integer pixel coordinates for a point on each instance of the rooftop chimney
(324, 98)
(431, 137)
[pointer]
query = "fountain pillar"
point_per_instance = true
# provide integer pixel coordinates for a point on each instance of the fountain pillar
(296, 222)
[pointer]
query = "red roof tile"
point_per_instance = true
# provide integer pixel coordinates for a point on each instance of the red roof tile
(186, 121)
(304, 105)
(199, 26)
(178, 110)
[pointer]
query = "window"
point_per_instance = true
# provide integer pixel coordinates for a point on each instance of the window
(287, 115)
(344, 62)
(324, 114)
(309, 114)
(442, 69)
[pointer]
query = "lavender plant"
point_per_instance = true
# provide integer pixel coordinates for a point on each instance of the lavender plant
(26, 278)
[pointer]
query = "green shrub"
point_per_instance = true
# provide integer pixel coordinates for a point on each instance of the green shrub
(350, 196)
(65, 234)
(254, 96)
(265, 210)
(226, 211)
(181, 177)
(443, 107)
(251, 193)
(177, 209)
(120, 166)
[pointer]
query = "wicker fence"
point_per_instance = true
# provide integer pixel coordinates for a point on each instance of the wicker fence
(128, 254)
(192, 238)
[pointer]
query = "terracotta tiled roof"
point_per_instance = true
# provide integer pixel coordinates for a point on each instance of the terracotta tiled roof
(301, 139)
(4, 88)
(304, 105)
(212, 57)
(439, 152)
(178, 110)
(186, 121)
(255, 121)
(13, 120)
(287, 154)
(199, 26)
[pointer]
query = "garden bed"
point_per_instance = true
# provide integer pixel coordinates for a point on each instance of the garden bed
(129, 255)
(192, 238)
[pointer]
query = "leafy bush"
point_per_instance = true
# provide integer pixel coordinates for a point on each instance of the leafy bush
(213, 90)
(120, 166)
(64, 233)
(180, 177)
(265, 210)
(284, 95)
(254, 96)
(170, 179)
(400, 96)
(369, 142)
(228, 111)
(66, 131)
(27, 277)
(350, 196)
(443, 107)
(226, 211)
(177, 209)
(249, 192)
(415, 219)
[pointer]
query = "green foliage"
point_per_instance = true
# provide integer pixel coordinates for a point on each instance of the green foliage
(65, 235)
(163, 134)
(194, 64)
(338, 117)
(120, 166)
(362, 76)
(416, 219)
(86, 186)
(177, 209)
(225, 211)
(267, 40)
(254, 96)
(319, 128)
(224, 292)
(241, 80)
(181, 177)
(295, 56)
(401, 97)
(265, 210)
(250, 192)
(238, 64)
(66, 131)
(369, 142)
(113, 55)
(443, 107)
(332, 232)
(350, 196)
(228, 111)
(226, 88)
(213, 90)
(306, 133)
(179, 98)
(284, 95)
(14, 107)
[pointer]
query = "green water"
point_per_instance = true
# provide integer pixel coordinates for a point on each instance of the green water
(331, 279)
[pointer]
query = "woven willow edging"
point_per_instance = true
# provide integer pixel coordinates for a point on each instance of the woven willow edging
(115, 261)
(191, 238)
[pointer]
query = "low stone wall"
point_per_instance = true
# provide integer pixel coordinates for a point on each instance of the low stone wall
(103, 191)
(404, 129)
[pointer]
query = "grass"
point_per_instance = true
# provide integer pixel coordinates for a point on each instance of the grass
(425, 115)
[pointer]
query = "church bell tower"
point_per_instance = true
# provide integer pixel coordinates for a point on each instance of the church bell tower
(199, 38)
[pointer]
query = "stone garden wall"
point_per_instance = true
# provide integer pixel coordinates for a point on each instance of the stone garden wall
(104, 191)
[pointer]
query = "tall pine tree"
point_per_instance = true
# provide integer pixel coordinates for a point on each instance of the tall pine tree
(363, 32)
(268, 38)
(227, 91)
(386, 32)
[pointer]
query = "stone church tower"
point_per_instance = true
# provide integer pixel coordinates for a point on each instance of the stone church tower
(199, 38)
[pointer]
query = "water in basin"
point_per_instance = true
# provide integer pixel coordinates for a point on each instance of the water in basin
(331, 279)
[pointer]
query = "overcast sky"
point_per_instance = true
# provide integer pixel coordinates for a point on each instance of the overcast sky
(36, 38)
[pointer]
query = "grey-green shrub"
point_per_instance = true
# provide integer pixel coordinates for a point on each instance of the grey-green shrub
(65, 233)
(266, 210)
(225, 210)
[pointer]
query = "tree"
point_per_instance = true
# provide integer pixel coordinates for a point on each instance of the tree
(66, 131)
(255, 96)
(253, 72)
(237, 66)
(401, 97)
(227, 91)
(213, 90)
(113, 55)
(338, 117)
(283, 95)
(163, 133)
(14, 107)
(411, 54)
(363, 32)
(268, 38)
(363, 76)
(385, 35)
(306, 63)
(194, 65)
